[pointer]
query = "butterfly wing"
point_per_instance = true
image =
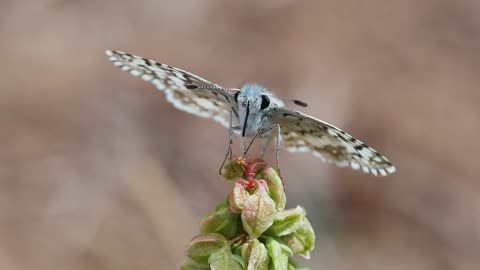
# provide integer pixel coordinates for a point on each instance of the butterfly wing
(184, 90)
(303, 133)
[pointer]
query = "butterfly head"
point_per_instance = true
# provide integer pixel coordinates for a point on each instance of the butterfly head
(253, 101)
(254, 96)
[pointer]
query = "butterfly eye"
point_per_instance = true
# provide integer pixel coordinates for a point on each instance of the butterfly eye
(265, 102)
(236, 96)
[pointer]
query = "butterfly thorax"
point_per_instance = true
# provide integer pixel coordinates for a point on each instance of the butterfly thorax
(254, 102)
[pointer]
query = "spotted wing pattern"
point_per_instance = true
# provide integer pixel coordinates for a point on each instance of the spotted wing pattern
(302, 133)
(184, 90)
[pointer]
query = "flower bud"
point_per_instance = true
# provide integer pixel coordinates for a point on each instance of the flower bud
(202, 246)
(288, 221)
(224, 259)
(256, 255)
(232, 169)
(237, 197)
(278, 253)
(258, 212)
(302, 240)
(277, 190)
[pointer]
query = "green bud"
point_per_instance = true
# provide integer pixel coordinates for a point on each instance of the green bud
(221, 221)
(202, 246)
(277, 190)
(237, 197)
(288, 221)
(302, 240)
(232, 170)
(278, 253)
(256, 255)
(224, 259)
(258, 213)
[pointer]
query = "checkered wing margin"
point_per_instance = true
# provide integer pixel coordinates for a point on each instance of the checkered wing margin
(303, 133)
(184, 90)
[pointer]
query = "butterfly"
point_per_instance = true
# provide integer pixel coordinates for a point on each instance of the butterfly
(253, 111)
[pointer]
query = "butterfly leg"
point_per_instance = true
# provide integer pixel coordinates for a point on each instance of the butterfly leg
(268, 142)
(230, 142)
(276, 128)
(277, 145)
(260, 132)
(251, 142)
(265, 146)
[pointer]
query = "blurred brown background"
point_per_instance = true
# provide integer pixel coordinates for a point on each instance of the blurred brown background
(98, 171)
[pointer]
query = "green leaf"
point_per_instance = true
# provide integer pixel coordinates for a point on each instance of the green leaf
(222, 221)
(202, 246)
(302, 240)
(278, 253)
(277, 190)
(225, 260)
(288, 221)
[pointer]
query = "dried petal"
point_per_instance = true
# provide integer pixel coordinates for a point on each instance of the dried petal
(254, 165)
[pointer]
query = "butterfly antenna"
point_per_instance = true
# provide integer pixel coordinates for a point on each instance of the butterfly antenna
(210, 87)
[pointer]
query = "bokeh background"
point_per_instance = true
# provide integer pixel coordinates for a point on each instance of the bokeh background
(98, 171)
